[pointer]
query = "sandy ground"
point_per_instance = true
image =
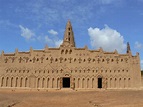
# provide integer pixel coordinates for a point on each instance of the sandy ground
(71, 98)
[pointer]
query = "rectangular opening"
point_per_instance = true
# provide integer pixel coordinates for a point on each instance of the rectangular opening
(99, 82)
(69, 33)
(66, 82)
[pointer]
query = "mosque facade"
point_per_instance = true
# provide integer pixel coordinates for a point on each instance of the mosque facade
(69, 67)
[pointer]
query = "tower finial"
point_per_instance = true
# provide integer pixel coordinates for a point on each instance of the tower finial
(68, 36)
(128, 48)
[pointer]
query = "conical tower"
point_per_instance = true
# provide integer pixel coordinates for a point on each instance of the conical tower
(68, 39)
(128, 48)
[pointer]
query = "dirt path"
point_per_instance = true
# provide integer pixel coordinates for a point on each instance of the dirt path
(68, 98)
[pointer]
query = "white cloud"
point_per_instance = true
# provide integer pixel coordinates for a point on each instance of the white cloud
(107, 1)
(58, 42)
(107, 38)
(58, 11)
(48, 40)
(6, 24)
(53, 42)
(26, 33)
(138, 45)
(53, 32)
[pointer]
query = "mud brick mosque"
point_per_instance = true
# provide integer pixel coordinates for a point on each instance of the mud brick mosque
(69, 67)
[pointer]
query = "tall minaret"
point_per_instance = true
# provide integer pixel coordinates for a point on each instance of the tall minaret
(128, 48)
(68, 36)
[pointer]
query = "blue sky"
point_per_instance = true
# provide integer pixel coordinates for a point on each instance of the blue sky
(96, 23)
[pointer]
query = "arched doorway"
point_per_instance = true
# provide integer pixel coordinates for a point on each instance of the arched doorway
(66, 82)
(99, 82)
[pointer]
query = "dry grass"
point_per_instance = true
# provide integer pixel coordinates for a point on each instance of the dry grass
(70, 98)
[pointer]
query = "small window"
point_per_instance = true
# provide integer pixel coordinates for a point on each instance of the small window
(84, 60)
(102, 60)
(70, 51)
(56, 60)
(93, 60)
(62, 51)
(112, 60)
(66, 51)
(69, 33)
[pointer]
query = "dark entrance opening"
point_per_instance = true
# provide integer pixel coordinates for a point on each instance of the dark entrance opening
(66, 82)
(99, 82)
